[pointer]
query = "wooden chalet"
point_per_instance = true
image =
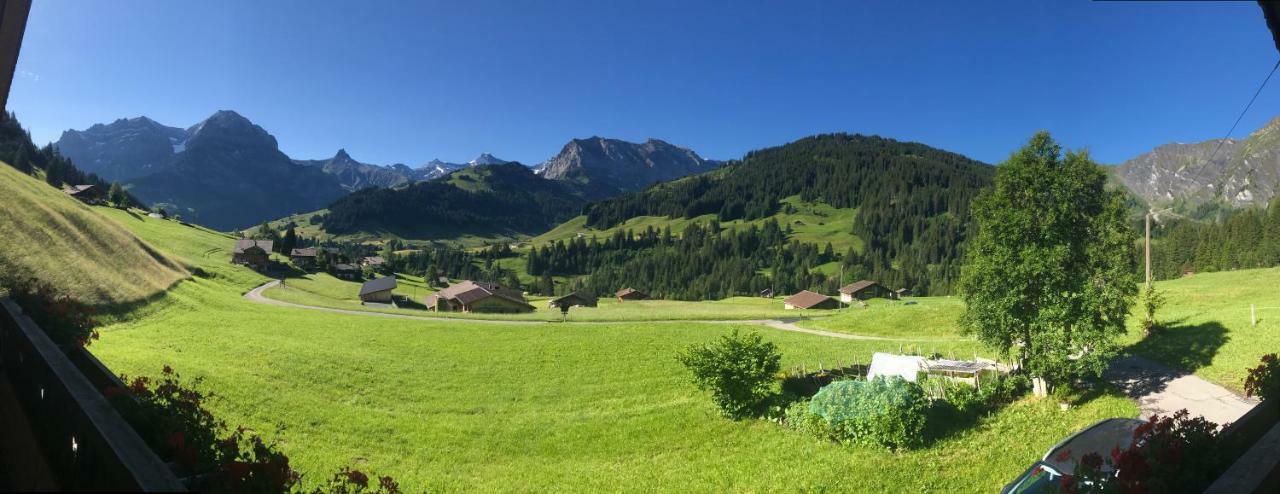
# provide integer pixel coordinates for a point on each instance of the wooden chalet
(630, 294)
(901, 293)
(806, 299)
(575, 299)
(252, 253)
(304, 257)
(88, 194)
(478, 296)
(345, 271)
(863, 290)
(374, 262)
(378, 290)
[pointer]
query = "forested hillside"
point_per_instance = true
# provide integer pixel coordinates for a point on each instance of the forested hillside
(1248, 238)
(489, 199)
(912, 200)
(18, 151)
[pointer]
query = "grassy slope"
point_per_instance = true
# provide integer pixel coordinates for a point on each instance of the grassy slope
(305, 227)
(458, 406)
(1207, 315)
(46, 234)
(815, 223)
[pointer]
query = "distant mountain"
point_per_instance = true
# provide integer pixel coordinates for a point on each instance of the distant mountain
(231, 174)
(435, 168)
(354, 175)
(607, 167)
(1243, 173)
(124, 149)
(483, 200)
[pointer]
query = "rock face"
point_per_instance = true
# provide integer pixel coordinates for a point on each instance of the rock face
(1243, 172)
(124, 149)
(231, 174)
(607, 167)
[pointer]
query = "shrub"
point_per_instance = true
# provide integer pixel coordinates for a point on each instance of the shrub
(889, 412)
(1175, 453)
(348, 481)
(738, 370)
(66, 320)
(1264, 380)
(1151, 301)
(171, 418)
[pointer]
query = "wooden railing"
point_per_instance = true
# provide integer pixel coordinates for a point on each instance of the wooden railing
(88, 445)
(1255, 438)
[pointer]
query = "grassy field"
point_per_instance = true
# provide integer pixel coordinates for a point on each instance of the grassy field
(928, 317)
(323, 290)
(46, 234)
(814, 223)
(458, 406)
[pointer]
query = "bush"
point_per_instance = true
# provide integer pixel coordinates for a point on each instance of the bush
(67, 321)
(348, 481)
(1264, 380)
(887, 412)
(738, 370)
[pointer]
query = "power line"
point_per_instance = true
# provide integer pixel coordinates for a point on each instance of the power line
(1238, 118)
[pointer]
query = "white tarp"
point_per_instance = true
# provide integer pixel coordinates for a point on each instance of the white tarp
(904, 366)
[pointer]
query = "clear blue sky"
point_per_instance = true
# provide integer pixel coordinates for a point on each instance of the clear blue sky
(411, 81)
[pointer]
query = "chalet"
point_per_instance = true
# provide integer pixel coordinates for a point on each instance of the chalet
(478, 296)
(630, 294)
(89, 194)
(575, 299)
(809, 300)
(863, 290)
(345, 271)
(901, 293)
(378, 290)
(252, 253)
(766, 293)
(303, 258)
(374, 262)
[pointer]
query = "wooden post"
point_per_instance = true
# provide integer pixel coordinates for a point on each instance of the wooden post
(1253, 315)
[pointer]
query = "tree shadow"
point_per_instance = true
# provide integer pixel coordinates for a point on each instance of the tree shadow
(1174, 351)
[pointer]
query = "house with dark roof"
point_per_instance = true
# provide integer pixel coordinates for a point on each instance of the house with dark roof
(373, 262)
(252, 253)
(304, 257)
(863, 290)
(378, 290)
(89, 194)
(806, 299)
(575, 299)
(478, 296)
(630, 294)
(345, 271)
(901, 293)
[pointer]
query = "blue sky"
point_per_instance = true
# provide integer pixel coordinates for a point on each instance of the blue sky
(411, 81)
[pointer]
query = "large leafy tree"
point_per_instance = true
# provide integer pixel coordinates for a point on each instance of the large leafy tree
(1049, 276)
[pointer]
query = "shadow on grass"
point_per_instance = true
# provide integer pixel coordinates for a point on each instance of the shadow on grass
(1182, 346)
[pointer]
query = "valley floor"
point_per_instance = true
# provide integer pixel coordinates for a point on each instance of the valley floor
(459, 405)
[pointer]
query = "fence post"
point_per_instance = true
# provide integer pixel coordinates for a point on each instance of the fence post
(1253, 315)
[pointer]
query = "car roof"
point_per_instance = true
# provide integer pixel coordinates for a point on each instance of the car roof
(1100, 438)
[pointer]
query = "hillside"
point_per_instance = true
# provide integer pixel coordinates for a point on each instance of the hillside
(483, 200)
(912, 201)
(1243, 173)
(47, 235)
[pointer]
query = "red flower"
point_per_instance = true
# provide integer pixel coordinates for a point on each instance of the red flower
(1063, 456)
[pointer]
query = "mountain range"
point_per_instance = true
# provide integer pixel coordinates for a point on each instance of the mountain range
(234, 175)
(1193, 179)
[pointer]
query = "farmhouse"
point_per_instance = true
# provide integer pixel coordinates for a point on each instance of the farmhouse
(478, 296)
(345, 271)
(372, 262)
(575, 299)
(806, 299)
(305, 257)
(89, 194)
(252, 253)
(378, 290)
(863, 290)
(901, 293)
(631, 294)
(766, 293)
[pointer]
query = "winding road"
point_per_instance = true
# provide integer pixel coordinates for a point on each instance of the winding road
(1158, 390)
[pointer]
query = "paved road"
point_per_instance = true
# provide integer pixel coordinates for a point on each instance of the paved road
(1162, 390)
(255, 295)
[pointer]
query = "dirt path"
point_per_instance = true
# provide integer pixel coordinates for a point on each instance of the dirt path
(1162, 390)
(256, 295)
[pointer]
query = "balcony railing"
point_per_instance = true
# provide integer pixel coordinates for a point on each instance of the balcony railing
(86, 443)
